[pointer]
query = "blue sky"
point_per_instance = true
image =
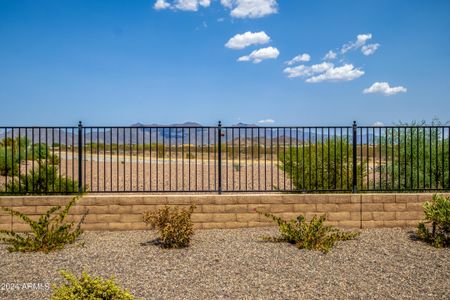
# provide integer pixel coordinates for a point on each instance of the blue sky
(120, 62)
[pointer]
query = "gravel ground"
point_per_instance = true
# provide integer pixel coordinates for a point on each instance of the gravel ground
(235, 263)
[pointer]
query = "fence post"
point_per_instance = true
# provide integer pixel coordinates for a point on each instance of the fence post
(80, 157)
(354, 159)
(219, 158)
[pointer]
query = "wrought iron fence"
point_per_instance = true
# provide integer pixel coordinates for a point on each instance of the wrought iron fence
(65, 160)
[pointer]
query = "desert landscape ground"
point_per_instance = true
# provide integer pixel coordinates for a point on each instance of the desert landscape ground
(238, 264)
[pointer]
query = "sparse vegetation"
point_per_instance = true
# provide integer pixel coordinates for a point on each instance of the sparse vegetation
(174, 225)
(87, 287)
(437, 215)
(322, 166)
(50, 232)
(313, 235)
(416, 157)
(12, 152)
(42, 180)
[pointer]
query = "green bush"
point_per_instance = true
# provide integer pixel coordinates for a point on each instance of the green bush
(42, 180)
(437, 215)
(39, 152)
(87, 287)
(321, 166)
(9, 162)
(50, 232)
(12, 152)
(312, 236)
(415, 157)
(174, 226)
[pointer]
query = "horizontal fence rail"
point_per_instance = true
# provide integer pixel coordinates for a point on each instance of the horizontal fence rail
(68, 160)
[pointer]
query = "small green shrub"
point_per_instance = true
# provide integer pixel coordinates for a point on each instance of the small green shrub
(326, 165)
(48, 233)
(9, 162)
(437, 215)
(42, 180)
(39, 151)
(174, 226)
(313, 235)
(12, 153)
(87, 287)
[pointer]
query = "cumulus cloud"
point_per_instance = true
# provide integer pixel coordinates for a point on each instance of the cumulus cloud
(259, 55)
(384, 89)
(266, 121)
(239, 8)
(346, 72)
(240, 41)
(299, 58)
(187, 5)
(361, 40)
(330, 55)
(306, 71)
(369, 49)
(324, 72)
(251, 8)
(161, 4)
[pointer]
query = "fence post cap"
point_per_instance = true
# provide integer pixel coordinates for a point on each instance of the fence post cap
(220, 124)
(80, 124)
(354, 123)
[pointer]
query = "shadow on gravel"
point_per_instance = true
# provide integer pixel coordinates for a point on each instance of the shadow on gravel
(154, 242)
(413, 236)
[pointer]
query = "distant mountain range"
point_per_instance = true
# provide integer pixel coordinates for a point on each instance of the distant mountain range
(185, 133)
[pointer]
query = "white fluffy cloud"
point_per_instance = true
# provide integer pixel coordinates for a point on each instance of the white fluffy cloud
(251, 8)
(306, 71)
(240, 41)
(378, 123)
(369, 49)
(266, 121)
(239, 8)
(188, 5)
(299, 58)
(344, 73)
(324, 72)
(259, 55)
(161, 4)
(361, 40)
(330, 55)
(384, 89)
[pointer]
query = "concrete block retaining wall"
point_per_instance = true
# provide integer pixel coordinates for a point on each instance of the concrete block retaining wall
(124, 212)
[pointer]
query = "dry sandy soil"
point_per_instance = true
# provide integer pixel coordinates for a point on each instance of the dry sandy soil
(134, 174)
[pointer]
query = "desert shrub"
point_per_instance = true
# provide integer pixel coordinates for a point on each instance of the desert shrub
(190, 155)
(87, 287)
(42, 180)
(9, 162)
(50, 232)
(437, 215)
(174, 225)
(39, 151)
(314, 235)
(326, 165)
(12, 152)
(416, 157)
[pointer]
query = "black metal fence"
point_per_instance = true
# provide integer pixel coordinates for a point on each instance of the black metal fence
(64, 160)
